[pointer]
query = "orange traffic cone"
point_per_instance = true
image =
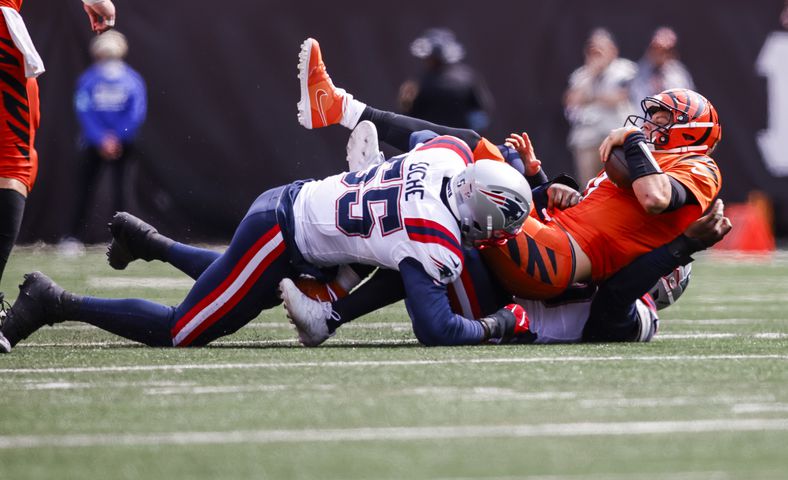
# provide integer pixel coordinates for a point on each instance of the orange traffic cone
(752, 226)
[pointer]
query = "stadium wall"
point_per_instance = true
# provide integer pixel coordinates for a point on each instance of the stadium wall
(222, 88)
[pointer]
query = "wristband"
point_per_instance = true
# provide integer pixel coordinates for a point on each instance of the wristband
(92, 2)
(639, 158)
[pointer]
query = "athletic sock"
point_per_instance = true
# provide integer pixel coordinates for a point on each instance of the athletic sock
(188, 259)
(12, 207)
(138, 320)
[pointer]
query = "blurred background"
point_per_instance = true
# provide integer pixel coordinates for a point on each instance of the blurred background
(222, 90)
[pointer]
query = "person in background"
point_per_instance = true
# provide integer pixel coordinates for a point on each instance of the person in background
(660, 68)
(110, 103)
(20, 115)
(597, 101)
(448, 92)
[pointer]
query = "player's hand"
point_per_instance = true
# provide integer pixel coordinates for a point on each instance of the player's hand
(522, 144)
(110, 149)
(710, 228)
(615, 138)
(508, 322)
(562, 197)
(101, 15)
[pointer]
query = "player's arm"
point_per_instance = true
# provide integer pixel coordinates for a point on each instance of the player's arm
(656, 191)
(610, 319)
(101, 14)
(435, 324)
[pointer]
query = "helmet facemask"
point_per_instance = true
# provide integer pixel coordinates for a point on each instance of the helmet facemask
(693, 124)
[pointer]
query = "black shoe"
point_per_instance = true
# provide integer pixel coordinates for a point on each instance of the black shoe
(132, 239)
(40, 302)
(5, 345)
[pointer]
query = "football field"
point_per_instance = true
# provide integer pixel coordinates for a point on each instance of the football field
(707, 399)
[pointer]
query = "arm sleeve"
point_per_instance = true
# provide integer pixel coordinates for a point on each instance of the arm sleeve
(612, 310)
(382, 289)
(428, 305)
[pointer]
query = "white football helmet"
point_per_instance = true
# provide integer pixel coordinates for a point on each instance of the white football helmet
(491, 200)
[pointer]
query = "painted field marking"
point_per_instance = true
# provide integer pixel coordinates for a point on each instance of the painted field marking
(395, 433)
(391, 363)
(138, 282)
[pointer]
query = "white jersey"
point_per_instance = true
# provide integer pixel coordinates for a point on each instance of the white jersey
(386, 213)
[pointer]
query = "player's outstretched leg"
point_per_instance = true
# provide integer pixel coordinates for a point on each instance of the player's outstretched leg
(363, 149)
(309, 316)
(40, 302)
(132, 239)
(322, 104)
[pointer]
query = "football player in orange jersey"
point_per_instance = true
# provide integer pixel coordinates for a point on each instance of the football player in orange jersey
(19, 113)
(674, 182)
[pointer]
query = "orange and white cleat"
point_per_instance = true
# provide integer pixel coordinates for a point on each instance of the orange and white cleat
(321, 104)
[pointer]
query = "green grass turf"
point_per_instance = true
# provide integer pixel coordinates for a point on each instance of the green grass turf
(707, 399)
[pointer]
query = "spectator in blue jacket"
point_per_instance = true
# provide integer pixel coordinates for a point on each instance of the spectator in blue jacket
(110, 103)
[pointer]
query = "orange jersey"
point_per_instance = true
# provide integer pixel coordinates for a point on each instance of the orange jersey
(15, 4)
(613, 229)
(485, 149)
(19, 113)
(537, 264)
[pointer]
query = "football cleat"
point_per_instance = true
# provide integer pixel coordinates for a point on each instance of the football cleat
(648, 318)
(132, 239)
(40, 302)
(363, 149)
(309, 316)
(321, 103)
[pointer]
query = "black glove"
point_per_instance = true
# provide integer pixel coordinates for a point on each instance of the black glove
(508, 322)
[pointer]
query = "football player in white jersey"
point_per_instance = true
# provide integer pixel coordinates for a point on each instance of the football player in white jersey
(412, 214)
(622, 308)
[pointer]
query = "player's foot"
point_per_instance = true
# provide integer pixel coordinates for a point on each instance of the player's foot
(322, 103)
(5, 345)
(309, 316)
(132, 239)
(363, 149)
(649, 319)
(40, 302)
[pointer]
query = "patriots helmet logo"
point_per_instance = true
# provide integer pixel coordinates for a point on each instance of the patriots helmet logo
(512, 211)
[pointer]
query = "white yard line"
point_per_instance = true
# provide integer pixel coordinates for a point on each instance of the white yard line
(290, 342)
(138, 282)
(392, 363)
(221, 343)
(395, 433)
(273, 325)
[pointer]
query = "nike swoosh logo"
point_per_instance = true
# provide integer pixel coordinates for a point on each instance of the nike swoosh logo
(321, 95)
(695, 170)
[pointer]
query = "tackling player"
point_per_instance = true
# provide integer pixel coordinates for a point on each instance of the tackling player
(620, 310)
(673, 182)
(412, 214)
(19, 113)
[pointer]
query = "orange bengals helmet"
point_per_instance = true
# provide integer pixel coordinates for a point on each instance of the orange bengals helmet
(694, 126)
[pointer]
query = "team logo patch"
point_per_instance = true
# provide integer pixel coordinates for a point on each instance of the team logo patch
(443, 269)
